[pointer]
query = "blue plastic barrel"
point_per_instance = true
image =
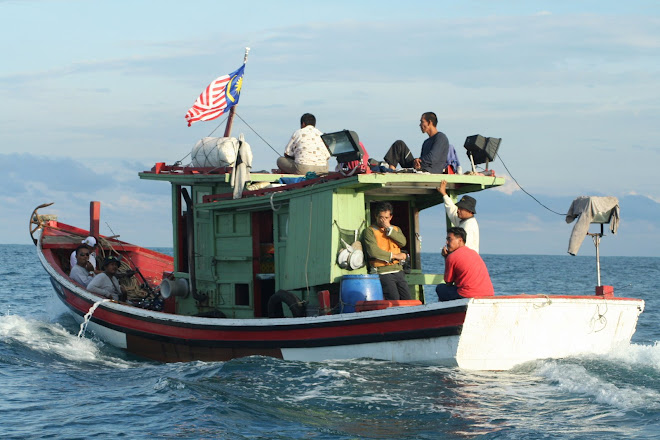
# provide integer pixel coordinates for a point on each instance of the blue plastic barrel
(356, 288)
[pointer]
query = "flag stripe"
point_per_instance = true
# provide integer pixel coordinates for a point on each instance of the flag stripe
(212, 103)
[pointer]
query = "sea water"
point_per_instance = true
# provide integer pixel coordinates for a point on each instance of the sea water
(55, 385)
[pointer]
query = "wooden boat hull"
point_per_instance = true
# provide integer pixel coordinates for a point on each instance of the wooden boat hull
(494, 333)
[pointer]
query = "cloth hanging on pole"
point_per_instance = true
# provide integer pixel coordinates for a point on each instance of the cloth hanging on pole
(586, 209)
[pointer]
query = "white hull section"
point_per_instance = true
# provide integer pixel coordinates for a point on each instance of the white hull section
(441, 350)
(500, 333)
(112, 337)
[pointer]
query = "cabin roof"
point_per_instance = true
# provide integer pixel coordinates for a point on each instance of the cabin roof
(420, 186)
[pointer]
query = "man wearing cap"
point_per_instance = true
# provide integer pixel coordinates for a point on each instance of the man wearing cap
(106, 283)
(462, 214)
(80, 273)
(383, 242)
(466, 275)
(90, 242)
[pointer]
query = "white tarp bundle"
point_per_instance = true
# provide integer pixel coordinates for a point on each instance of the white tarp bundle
(591, 209)
(215, 152)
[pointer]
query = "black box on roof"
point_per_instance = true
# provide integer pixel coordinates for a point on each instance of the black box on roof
(482, 149)
(344, 145)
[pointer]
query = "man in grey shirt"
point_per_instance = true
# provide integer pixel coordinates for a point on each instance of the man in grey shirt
(106, 283)
(79, 272)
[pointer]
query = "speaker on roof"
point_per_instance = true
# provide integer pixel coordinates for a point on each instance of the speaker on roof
(482, 149)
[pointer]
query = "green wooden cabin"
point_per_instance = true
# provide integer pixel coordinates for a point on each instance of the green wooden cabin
(242, 251)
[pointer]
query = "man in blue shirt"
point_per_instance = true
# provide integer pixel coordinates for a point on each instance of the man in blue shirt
(435, 149)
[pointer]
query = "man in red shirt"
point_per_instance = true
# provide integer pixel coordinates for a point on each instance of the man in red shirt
(466, 275)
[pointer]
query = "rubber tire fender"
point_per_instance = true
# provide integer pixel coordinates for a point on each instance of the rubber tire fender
(295, 304)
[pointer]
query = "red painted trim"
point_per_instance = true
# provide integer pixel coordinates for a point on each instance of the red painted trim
(525, 296)
(171, 169)
(272, 334)
(260, 192)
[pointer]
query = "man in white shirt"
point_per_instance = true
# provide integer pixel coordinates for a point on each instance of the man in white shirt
(90, 242)
(106, 283)
(306, 151)
(461, 215)
(80, 273)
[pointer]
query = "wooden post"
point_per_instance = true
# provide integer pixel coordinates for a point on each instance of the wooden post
(94, 218)
(232, 110)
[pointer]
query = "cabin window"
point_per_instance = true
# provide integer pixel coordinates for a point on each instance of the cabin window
(241, 294)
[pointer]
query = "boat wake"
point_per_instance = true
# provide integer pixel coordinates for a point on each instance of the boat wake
(29, 339)
(627, 379)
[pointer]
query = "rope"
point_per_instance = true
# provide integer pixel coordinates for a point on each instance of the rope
(523, 189)
(253, 130)
(272, 206)
(180, 161)
(601, 318)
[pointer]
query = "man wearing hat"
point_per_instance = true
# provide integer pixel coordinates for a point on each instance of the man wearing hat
(461, 215)
(106, 283)
(90, 242)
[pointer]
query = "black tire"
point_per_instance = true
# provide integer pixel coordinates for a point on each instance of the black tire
(295, 304)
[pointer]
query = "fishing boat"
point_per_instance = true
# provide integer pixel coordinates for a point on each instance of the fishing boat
(260, 275)
(276, 270)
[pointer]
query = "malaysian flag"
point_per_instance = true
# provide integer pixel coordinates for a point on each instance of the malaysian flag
(219, 96)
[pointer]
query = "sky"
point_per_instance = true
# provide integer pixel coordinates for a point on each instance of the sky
(91, 93)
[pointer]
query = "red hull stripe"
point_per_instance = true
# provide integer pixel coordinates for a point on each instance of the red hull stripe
(423, 324)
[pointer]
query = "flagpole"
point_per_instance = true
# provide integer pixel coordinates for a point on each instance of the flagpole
(230, 119)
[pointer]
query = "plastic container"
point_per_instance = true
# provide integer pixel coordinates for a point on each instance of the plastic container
(356, 288)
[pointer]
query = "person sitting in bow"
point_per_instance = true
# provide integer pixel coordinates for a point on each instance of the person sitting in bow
(90, 242)
(80, 273)
(106, 283)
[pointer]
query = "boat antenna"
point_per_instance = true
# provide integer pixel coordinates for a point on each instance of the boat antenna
(128, 257)
(230, 119)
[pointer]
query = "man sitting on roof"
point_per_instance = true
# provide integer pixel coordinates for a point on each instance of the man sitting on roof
(305, 151)
(466, 275)
(106, 283)
(436, 156)
(80, 273)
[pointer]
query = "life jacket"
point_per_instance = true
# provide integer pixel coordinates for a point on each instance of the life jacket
(388, 245)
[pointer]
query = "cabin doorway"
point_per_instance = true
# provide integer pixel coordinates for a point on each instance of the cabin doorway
(263, 250)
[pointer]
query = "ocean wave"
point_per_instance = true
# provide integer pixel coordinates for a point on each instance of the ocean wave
(602, 385)
(51, 340)
(637, 355)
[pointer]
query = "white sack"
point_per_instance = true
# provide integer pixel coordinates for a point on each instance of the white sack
(215, 152)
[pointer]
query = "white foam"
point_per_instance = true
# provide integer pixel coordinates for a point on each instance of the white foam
(327, 372)
(576, 379)
(634, 355)
(53, 339)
